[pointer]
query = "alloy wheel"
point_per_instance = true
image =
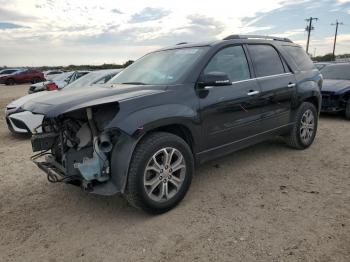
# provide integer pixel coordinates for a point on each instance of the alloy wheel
(307, 126)
(164, 174)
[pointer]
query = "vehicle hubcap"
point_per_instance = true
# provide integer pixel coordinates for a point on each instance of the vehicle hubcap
(164, 174)
(307, 126)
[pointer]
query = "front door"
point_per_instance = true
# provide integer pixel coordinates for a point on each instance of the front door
(229, 113)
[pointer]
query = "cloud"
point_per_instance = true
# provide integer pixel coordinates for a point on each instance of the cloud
(5, 26)
(12, 16)
(149, 14)
(117, 11)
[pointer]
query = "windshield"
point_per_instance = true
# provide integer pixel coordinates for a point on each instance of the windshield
(90, 78)
(160, 68)
(337, 72)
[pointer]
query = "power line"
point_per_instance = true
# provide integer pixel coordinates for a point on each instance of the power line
(309, 28)
(335, 36)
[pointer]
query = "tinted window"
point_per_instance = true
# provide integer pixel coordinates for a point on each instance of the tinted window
(9, 71)
(232, 61)
(300, 58)
(341, 72)
(266, 60)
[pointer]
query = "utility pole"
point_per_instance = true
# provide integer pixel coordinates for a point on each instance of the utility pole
(335, 36)
(309, 28)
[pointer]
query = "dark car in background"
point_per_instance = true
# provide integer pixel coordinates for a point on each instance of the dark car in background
(22, 76)
(336, 88)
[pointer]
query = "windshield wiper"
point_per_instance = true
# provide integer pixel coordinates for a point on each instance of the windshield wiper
(133, 83)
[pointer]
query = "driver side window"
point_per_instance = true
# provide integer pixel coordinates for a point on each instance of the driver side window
(231, 61)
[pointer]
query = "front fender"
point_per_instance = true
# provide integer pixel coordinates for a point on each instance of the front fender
(152, 117)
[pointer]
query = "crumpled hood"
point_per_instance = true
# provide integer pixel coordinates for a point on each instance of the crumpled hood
(24, 99)
(68, 100)
(330, 85)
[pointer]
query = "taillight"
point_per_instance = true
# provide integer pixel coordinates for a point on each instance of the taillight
(51, 87)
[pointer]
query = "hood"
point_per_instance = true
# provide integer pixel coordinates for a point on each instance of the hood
(24, 99)
(41, 84)
(63, 101)
(335, 86)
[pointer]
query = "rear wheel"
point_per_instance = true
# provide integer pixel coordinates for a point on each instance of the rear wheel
(36, 80)
(305, 127)
(347, 109)
(160, 172)
(10, 82)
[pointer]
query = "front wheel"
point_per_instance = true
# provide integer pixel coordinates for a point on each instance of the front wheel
(36, 80)
(10, 82)
(304, 130)
(160, 172)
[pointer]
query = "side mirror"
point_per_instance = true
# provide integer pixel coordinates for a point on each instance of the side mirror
(214, 79)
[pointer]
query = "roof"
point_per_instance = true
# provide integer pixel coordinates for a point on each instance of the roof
(233, 38)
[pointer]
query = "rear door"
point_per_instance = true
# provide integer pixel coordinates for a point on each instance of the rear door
(22, 77)
(277, 83)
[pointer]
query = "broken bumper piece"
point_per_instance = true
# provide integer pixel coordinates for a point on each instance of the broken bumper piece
(55, 172)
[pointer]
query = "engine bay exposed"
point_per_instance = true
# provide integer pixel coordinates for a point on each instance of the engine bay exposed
(77, 146)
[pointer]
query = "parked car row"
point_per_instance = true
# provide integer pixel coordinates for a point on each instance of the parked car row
(58, 81)
(142, 132)
(23, 122)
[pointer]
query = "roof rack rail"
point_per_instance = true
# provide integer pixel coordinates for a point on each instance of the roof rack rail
(230, 37)
(182, 43)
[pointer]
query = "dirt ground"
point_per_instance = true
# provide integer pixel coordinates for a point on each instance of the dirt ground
(265, 203)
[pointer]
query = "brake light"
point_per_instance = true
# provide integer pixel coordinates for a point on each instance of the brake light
(51, 87)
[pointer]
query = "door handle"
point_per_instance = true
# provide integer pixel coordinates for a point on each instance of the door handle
(252, 93)
(290, 85)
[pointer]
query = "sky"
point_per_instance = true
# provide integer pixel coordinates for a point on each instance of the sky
(64, 32)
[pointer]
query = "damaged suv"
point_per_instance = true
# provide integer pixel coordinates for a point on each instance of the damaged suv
(143, 134)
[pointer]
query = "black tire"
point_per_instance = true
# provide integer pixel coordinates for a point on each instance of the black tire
(294, 139)
(10, 82)
(136, 193)
(36, 80)
(347, 110)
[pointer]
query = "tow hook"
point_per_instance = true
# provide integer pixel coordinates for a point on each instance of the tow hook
(87, 186)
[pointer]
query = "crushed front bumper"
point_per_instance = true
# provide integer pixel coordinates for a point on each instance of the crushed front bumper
(55, 171)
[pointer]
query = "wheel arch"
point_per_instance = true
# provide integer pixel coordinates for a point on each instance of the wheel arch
(125, 147)
(313, 100)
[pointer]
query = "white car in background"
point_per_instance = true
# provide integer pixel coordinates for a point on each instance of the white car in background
(24, 122)
(51, 74)
(57, 82)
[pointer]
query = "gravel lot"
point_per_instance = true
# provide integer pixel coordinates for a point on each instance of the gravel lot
(265, 203)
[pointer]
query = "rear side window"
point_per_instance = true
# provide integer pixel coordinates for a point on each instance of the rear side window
(300, 58)
(232, 61)
(266, 60)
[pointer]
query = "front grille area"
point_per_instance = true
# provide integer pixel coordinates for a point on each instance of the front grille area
(330, 100)
(19, 124)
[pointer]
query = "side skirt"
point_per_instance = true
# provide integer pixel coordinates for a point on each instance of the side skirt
(223, 150)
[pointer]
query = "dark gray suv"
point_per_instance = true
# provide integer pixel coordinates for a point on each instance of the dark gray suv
(142, 135)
